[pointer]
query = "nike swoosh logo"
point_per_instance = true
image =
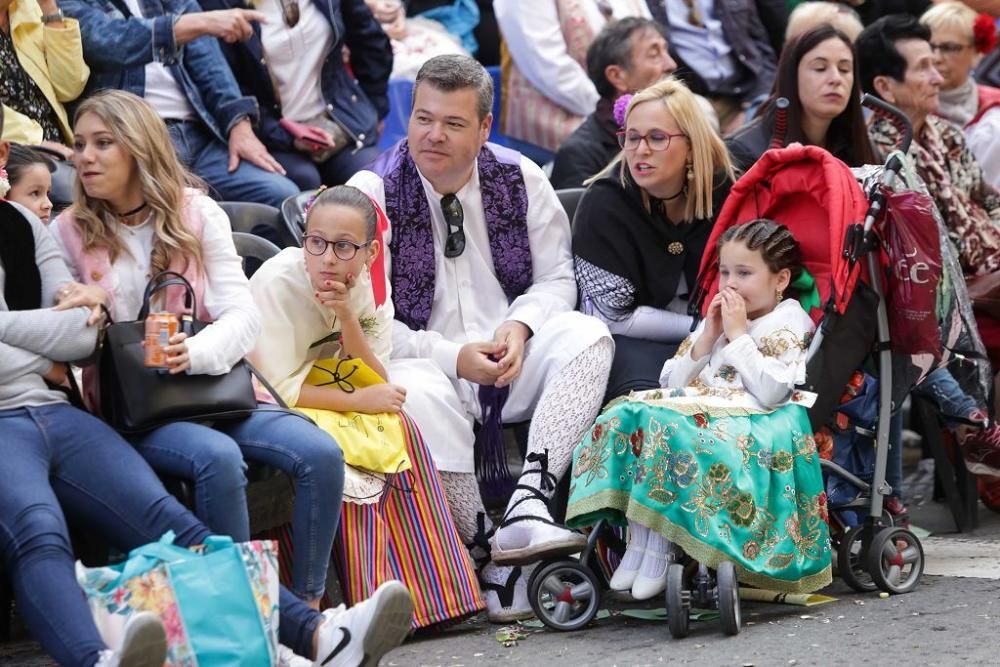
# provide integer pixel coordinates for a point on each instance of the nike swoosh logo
(345, 639)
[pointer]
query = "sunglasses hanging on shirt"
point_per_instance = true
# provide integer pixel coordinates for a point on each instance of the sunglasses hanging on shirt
(454, 217)
(290, 12)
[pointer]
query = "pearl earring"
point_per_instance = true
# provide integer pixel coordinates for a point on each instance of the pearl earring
(778, 295)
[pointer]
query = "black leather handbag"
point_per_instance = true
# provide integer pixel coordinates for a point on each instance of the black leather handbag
(135, 398)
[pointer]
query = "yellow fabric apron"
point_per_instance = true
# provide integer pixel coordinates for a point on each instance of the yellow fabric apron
(373, 442)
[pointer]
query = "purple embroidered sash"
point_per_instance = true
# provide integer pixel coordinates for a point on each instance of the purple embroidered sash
(505, 208)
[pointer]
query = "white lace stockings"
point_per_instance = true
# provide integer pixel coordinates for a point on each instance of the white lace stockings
(565, 412)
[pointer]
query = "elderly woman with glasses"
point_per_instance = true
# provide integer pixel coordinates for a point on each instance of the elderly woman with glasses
(642, 225)
(960, 38)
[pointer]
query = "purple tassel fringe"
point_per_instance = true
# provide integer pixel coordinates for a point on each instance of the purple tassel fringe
(491, 463)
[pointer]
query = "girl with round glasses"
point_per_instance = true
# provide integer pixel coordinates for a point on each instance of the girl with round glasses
(642, 225)
(325, 343)
(344, 250)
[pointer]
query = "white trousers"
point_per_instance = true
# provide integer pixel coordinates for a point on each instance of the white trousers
(445, 409)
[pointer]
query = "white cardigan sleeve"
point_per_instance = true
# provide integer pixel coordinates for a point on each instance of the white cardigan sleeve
(232, 334)
(650, 323)
(536, 44)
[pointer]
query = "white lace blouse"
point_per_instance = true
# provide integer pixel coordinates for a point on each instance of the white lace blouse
(761, 367)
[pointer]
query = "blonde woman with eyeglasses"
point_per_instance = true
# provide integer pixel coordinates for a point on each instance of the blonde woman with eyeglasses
(642, 225)
(135, 213)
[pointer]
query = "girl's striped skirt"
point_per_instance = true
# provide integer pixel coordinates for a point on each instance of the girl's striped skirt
(407, 534)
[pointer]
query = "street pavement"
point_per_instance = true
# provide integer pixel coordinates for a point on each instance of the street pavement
(952, 618)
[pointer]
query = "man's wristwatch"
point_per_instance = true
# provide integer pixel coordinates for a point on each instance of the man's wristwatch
(53, 18)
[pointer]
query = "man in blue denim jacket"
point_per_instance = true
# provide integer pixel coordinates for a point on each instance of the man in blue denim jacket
(166, 51)
(301, 76)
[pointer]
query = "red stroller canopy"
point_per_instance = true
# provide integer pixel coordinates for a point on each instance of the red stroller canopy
(812, 193)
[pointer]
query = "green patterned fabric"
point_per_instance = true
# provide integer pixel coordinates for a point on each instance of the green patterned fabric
(723, 484)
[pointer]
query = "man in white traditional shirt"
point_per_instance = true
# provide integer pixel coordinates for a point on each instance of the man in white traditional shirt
(483, 285)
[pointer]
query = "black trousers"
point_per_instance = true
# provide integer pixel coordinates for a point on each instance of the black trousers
(637, 365)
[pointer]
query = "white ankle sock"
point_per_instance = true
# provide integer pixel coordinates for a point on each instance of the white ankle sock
(637, 536)
(654, 564)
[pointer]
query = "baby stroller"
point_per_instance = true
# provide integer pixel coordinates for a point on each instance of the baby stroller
(818, 198)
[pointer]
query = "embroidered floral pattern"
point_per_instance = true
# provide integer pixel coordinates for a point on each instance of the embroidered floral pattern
(782, 461)
(780, 341)
(636, 440)
(683, 348)
(369, 324)
(682, 469)
(727, 373)
(758, 500)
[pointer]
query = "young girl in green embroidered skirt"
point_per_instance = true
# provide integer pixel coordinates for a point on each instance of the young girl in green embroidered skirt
(721, 461)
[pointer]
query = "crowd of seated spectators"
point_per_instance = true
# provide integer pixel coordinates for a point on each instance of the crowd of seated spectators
(164, 107)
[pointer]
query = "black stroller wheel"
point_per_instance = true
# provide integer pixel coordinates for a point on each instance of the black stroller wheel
(729, 598)
(852, 561)
(564, 594)
(678, 601)
(896, 560)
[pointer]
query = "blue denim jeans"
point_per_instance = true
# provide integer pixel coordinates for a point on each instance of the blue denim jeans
(208, 157)
(53, 456)
(954, 405)
(213, 458)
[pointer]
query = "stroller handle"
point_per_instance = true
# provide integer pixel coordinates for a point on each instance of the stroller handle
(894, 115)
(780, 123)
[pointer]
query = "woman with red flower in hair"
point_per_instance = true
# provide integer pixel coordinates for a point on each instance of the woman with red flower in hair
(960, 38)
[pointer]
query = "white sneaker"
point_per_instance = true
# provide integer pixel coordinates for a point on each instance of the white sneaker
(361, 635)
(506, 602)
(144, 644)
(288, 658)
